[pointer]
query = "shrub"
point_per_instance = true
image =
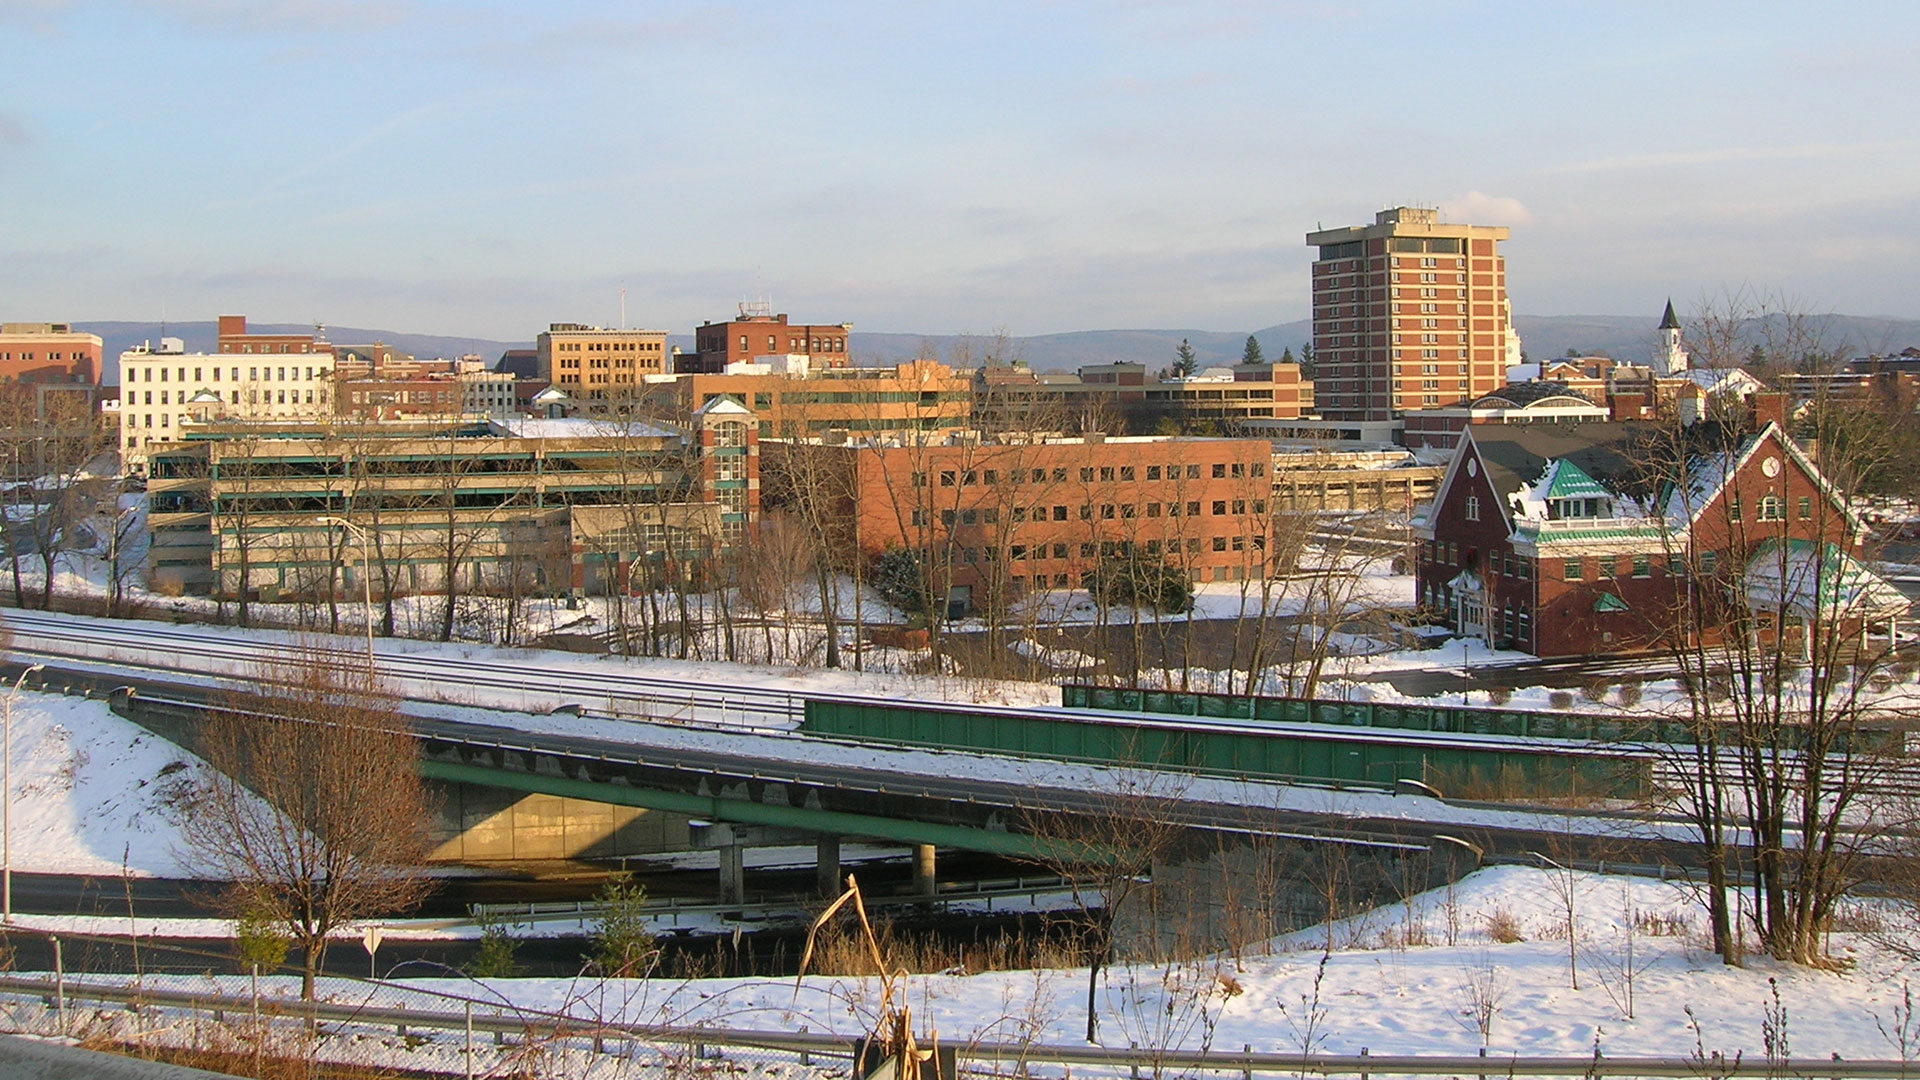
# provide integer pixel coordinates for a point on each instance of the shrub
(1503, 927)
(1500, 695)
(899, 576)
(259, 941)
(623, 946)
(1629, 693)
(494, 958)
(1134, 581)
(1596, 690)
(1560, 699)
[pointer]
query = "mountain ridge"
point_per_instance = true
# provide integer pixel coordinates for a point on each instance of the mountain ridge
(1630, 337)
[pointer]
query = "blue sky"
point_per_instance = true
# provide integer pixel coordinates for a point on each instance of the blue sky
(487, 168)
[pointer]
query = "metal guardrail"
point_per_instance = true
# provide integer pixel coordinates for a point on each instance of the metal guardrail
(949, 893)
(502, 1021)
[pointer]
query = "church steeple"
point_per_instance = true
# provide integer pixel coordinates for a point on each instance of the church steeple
(1668, 321)
(1672, 356)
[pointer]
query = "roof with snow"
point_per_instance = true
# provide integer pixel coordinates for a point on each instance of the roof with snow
(1799, 576)
(578, 427)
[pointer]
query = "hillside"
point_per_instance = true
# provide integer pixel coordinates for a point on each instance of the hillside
(1625, 336)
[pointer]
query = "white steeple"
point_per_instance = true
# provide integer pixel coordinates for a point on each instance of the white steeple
(1672, 357)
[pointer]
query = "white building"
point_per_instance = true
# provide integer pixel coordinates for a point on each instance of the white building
(161, 387)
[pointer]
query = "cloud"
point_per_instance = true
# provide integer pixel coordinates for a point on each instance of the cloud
(1722, 155)
(273, 16)
(1478, 208)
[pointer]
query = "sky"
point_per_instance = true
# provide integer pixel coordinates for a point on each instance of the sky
(485, 168)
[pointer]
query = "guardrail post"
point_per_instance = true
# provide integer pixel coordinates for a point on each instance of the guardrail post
(59, 986)
(1135, 1066)
(469, 1010)
(1363, 1053)
(1246, 1069)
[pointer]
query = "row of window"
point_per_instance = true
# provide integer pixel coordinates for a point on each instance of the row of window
(55, 355)
(1107, 474)
(254, 397)
(1772, 508)
(144, 374)
(265, 347)
(607, 346)
(1088, 512)
(794, 345)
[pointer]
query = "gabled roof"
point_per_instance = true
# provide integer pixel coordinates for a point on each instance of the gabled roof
(1800, 577)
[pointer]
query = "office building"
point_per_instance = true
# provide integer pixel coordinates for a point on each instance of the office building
(758, 332)
(1408, 313)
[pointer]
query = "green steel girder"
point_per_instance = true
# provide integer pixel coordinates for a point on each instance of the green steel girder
(741, 811)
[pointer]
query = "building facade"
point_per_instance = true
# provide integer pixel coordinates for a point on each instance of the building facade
(999, 519)
(163, 388)
(1123, 398)
(591, 363)
(234, 337)
(1408, 313)
(527, 506)
(919, 397)
(759, 332)
(48, 353)
(1605, 538)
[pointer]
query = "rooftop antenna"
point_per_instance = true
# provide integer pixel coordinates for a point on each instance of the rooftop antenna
(623, 305)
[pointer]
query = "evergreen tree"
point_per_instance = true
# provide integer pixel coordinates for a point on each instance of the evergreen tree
(1185, 365)
(1286, 354)
(1306, 361)
(1252, 353)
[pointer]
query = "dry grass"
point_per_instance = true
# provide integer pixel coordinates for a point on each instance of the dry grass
(1503, 926)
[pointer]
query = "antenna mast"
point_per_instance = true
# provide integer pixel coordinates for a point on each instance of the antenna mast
(623, 305)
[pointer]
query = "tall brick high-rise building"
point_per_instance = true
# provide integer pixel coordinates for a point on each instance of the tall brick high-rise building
(1408, 313)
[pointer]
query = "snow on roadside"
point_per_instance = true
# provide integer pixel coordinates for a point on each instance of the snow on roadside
(93, 793)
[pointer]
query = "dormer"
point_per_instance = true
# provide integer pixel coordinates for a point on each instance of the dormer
(1564, 492)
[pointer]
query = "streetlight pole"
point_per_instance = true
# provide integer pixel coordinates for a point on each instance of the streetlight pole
(366, 579)
(6, 803)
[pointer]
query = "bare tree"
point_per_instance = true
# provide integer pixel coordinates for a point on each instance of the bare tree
(1106, 855)
(310, 805)
(1784, 769)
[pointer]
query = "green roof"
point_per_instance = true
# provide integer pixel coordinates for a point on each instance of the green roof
(1571, 482)
(1610, 602)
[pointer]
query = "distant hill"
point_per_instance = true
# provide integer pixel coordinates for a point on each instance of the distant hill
(1628, 337)
(118, 337)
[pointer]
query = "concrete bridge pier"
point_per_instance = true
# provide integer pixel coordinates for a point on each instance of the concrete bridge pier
(925, 883)
(733, 874)
(827, 864)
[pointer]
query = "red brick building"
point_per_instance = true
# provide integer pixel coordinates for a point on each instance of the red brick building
(53, 368)
(1601, 538)
(234, 338)
(1010, 518)
(759, 332)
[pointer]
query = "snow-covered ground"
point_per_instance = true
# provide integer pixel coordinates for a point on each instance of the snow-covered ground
(92, 793)
(1484, 963)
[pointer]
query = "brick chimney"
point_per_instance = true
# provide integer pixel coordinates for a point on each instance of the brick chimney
(1626, 406)
(1768, 406)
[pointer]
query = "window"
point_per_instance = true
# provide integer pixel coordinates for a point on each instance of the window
(1219, 471)
(1733, 508)
(1059, 513)
(1573, 570)
(1772, 507)
(1153, 472)
(1219, 543)
(1642, 566)
(1806, 508)
(1126, 472)
(1193, 473)
(1059, 551)
(1219, 507)
(1106, 474)
(1708, 560)
(1473, 508)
